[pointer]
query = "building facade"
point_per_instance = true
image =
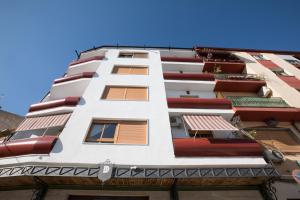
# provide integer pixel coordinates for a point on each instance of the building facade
(161, 123)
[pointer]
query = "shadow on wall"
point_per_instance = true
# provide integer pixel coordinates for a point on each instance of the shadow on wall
(82, 101)
(58, 147)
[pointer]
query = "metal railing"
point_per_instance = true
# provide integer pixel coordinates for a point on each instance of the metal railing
(253, 77)
(242, 101)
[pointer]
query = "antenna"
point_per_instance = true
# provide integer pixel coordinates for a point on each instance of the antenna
(1, 97)
(77, 54)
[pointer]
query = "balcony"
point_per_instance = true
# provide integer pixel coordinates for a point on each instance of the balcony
(74, 77)
(180, 59)
(39, 145)
(208, 147)
(84, 65)
(253, 86)
(265, 114)
(245, 77)
(199, 103)
(80, 61)
(74, 85)
(241, 101)
(195, 77)
(66, 102)
(215, 66)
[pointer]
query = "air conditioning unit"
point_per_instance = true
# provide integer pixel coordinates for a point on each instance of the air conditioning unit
(175, 121)
(265, 92)
(274, 155)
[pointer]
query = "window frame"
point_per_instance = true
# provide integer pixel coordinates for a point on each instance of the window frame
(133, 54)
(101, 139)
(293, 62)
(43, 133)
(118, 122)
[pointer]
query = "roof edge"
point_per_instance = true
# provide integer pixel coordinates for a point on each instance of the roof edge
(286, 52)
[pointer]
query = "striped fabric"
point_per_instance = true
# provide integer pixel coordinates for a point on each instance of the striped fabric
(208, 123)
(31, 123)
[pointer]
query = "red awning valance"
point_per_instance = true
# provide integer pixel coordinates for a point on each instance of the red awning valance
(208, 123)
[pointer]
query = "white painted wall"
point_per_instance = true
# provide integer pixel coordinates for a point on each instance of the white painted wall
(70, 88)
(200, 94)
(71, 147)
(185, 67)
(91, 66)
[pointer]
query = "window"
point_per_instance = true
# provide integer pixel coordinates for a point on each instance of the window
(118, 132)
(126, 93)
(130, 70)
(260, 57)
(281, 73)
(51, 131)
(133, 55)
(293, 62)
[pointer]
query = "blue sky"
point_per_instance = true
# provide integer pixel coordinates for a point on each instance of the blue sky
(38, 38)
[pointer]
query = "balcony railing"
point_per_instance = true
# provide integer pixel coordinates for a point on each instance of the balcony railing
(196, 77)
(68, 101)
(39, 145)
(247, 77)
(86, 60)
(240, 101)
(222, 60)
(180, 59)
(206, 147)
(265, 114)
(223, 67)
(199, 103)
(238, 85)
(74, 77)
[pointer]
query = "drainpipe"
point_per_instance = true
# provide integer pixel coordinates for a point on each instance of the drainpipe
(173, 191)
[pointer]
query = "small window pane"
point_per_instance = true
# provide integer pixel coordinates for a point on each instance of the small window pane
(27, 134)
(95, 132)
(126, 55)
(140, 55)
(109, 131)
(53, 131)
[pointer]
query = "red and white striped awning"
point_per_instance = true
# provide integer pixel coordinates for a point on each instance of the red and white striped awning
(31, 123)
(208, 123)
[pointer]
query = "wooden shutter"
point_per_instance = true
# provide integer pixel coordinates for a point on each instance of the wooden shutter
(139, 70)
(130, 70)
(140, 55)
(136, 93)
(284, 141)
(132, 132)
(114, 93)
(121, 70)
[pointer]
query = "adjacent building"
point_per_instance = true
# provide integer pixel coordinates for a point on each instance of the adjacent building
(137, 123)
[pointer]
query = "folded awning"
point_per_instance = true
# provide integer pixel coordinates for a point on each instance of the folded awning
(208, 123)
(31, 123)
